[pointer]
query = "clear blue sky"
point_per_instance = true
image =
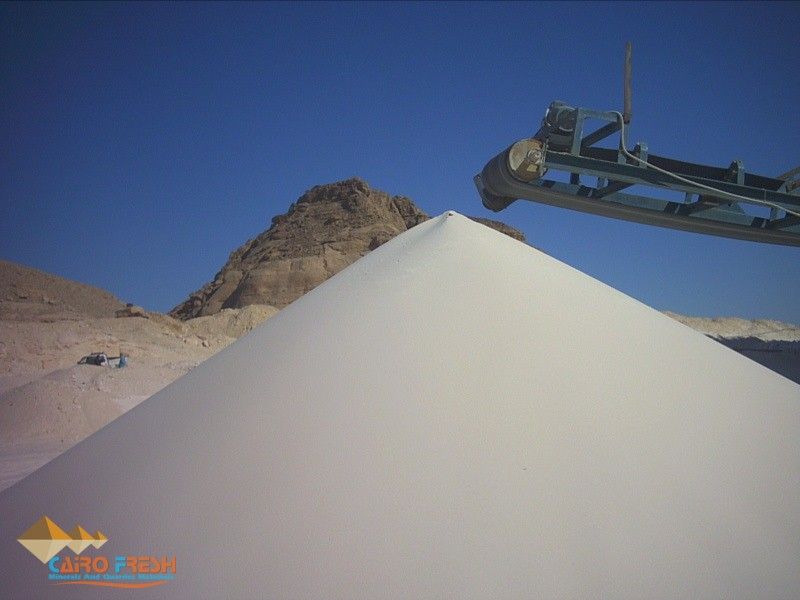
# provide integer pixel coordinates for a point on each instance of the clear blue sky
(141, 143)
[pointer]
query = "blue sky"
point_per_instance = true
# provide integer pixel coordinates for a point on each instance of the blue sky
(142, 143)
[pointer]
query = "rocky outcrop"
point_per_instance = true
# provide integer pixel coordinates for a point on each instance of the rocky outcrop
(328, 228)
(501, 227)
(131, 310)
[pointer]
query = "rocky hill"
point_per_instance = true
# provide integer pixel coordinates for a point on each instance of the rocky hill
(325, 230)
(28, 294)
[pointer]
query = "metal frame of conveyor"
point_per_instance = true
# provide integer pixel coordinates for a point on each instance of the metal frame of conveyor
(560, 144)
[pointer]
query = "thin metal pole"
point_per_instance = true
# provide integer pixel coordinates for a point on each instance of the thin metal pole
(627, 112)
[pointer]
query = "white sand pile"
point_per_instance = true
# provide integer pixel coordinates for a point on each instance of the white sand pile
(455, 415)
(774, 344)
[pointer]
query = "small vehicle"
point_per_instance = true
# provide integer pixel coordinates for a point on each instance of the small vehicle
(99, 359)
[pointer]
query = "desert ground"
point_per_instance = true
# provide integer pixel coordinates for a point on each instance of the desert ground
(48, 402)
(377, 427)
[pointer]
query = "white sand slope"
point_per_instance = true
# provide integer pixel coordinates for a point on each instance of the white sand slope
(456, 415)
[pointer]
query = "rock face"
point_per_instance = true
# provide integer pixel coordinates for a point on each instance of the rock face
(502, 228)
(328, 228)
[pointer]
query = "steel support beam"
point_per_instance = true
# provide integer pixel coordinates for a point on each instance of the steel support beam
(499, 188)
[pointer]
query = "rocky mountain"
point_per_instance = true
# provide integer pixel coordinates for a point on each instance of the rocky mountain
(325, 230)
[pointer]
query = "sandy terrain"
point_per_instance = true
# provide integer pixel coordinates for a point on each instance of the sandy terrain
(48, 402)
(396, 433)
(27, 293)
